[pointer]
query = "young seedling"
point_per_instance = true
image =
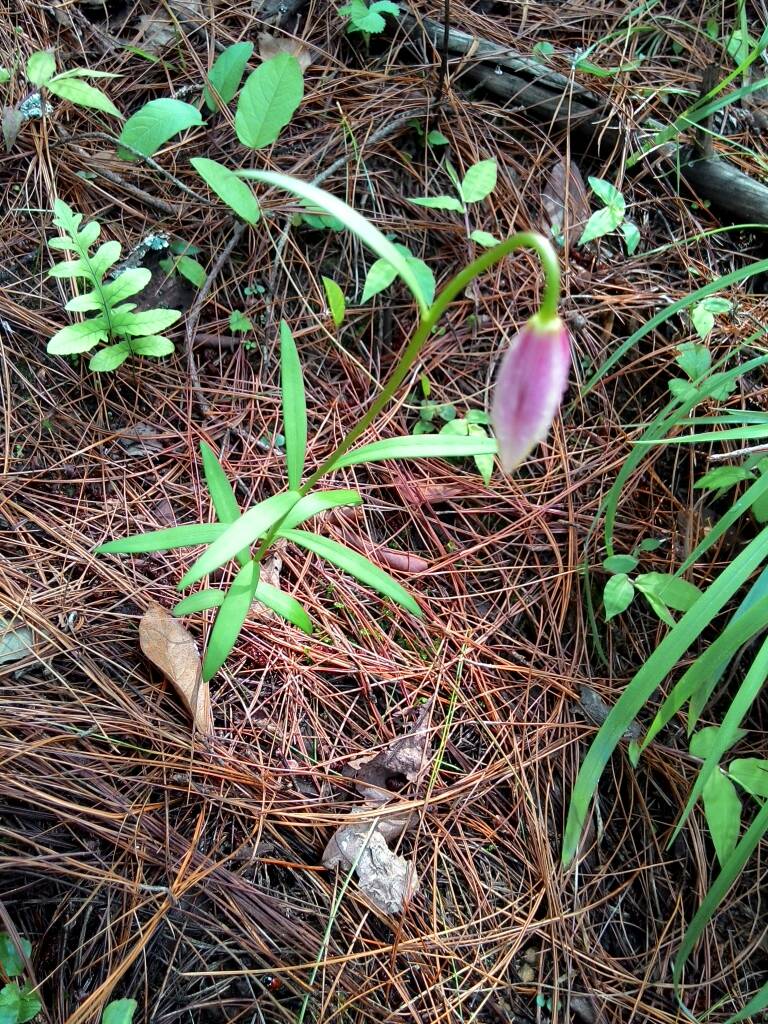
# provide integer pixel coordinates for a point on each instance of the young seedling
(476, 185)
(610, 218)
(473, 424)
(127, 333)
(368, 18)
(69, 85)
(18, 1002)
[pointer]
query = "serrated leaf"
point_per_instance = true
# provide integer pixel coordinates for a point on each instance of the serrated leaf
(356, 565)
(119, 1011)
(155, 123)
(620, 563)
(146, 322)
(40, 67)
(229, 188)
(239, 323)
(164, 540)
(609, 194)
(10, 1004)
(694, 359)
(80, 337)
(336, 302)
(438, 203)
(230, 618)
(154, 346)
(424, 446)
(602, 222)
(227, 73)
(269, 100)
(722, 809)
(82, 94)
(617, 595)
(10, 961)
(284, 605)
(240, 535)
(752, 774)
(294, 407)
(110, 358)
(479, 181)
(484, 238)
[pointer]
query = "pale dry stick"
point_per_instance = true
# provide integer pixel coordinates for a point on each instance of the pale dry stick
(751, 450)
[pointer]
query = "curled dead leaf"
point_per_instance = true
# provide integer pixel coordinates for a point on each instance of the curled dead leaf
(172, 649)
(271, 46)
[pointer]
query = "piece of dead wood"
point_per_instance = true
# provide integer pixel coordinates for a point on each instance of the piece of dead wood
(172, 649)
(386, 878)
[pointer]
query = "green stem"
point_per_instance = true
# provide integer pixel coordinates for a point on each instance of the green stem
(457, 284)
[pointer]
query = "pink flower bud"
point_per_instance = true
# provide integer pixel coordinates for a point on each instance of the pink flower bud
(530, 385)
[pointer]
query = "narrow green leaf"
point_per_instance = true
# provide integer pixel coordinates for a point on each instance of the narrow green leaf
(40, 67)
(226, 74)
(315, 503)
(336, 302)
(294, 407)
(284, 605)
(438, 203)
(229, 188)
(355, 222)
(756, 1004)
(199, 602)
(356, 565)
(164, 540)
(479, 181)
(380, 275)
(423, 446)
(220, 489)
(82, 95)
(241, 534)
(269, 99)
(155, 123)
(230, 618)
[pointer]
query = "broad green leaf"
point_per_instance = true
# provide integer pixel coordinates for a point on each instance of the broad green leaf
(366, 17)
(484, 238)
(716, 305)
(617, 595)
(128, 283)
(336, 302)
(752, 774)
(269, 99)
(316, 502)
(671, 590)
(438, 203)
(230, 618)
(722, 809)
(380, 276)
(600, 223)
(702, 320)
(220, 489)
(190, 269)
(284, 605)
(294, 407)
(40, 67)
(85, 303)
(424, 276)
(355, 222)
(631, 236)
(10, 1004)
(703, 742)
(5, 76)
(695, 360)
(199, 602)
(479, 181)
(119, 1011)
(424, 446)
(436, 138)
(484, 462)
(82, 95)
(148, 321)
(723, 477)
(78, 337)
(229, 188)
(164, 540)
(356, 565)
(29, 1004)
(154, 346)
(110, 358)
(10, 961)
(620, 563)
(155, 123)
(241, 534)
(609, 194)
(226, 74)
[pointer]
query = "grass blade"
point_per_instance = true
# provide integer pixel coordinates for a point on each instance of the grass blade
(284, 605)
(356, 565)
(648, 679)
(758, 1002)
(230, 618)
(319, 501)
(164, 540)
(422, 446)
(241, 534)
(351, 219)
(294, 407)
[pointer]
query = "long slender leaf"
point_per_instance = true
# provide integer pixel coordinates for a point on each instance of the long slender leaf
(230, 618)
(754, 492)
(758, 1002)
(284, 605)
(316, 502)
(199, 602)
(294, 407)
(648, 679)
(421, 446)
(746, 433)
(355, 222)
(240, 534)
(222, 494)
(164, 540)
(356, 565)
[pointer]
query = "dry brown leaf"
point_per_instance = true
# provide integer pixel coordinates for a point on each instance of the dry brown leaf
(403, 561)
(378, 775)
(271, 46)
(172, 649)
(565, 200)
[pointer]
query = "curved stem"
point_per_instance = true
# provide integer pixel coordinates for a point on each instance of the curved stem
(457, 284)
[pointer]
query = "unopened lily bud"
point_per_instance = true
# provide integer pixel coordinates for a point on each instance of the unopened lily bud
(529, 388)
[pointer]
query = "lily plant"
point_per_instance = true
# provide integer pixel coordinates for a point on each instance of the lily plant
(531, 382)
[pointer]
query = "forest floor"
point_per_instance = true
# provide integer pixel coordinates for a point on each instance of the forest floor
(141, 861)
